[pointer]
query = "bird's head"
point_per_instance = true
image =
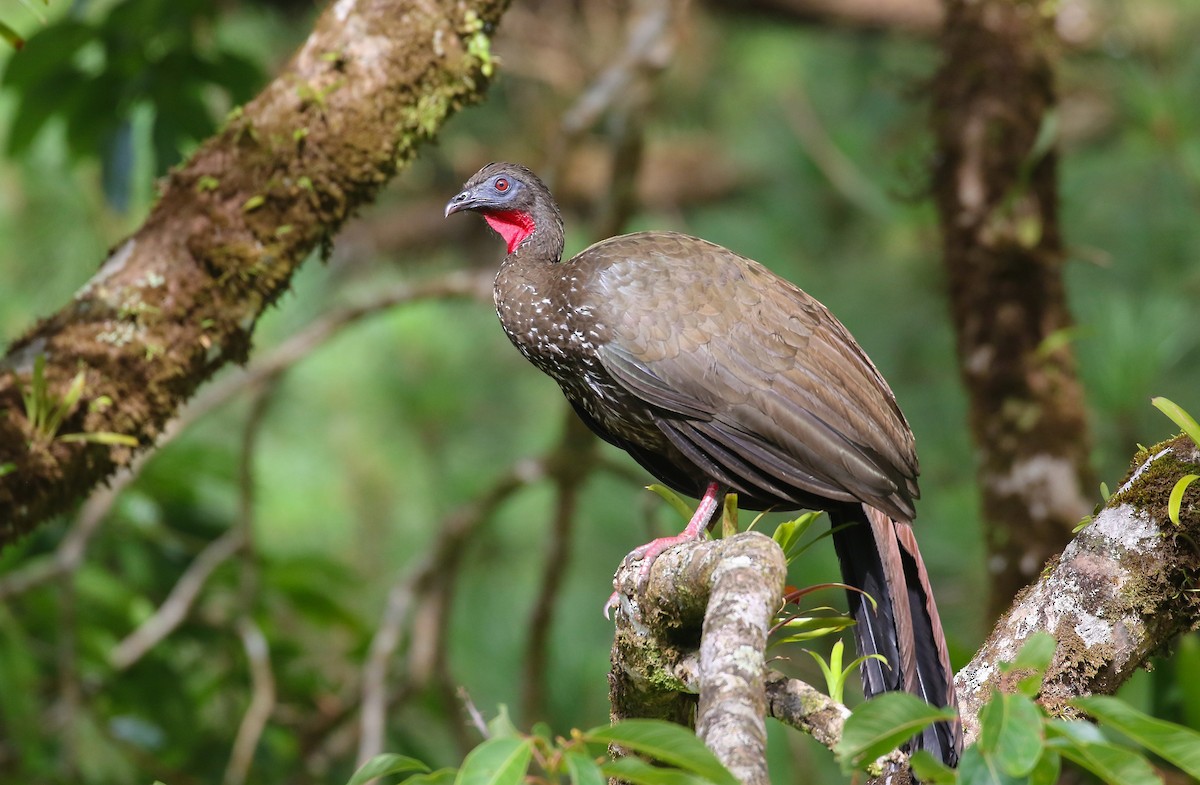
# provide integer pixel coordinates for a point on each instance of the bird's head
(510, 198)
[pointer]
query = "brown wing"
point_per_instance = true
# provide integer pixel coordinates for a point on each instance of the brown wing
(749, 371)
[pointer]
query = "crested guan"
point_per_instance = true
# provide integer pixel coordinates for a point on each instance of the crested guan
(714, 373)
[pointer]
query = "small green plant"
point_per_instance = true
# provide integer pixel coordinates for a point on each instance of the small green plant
(45, 412)
(1185, 421)
(1189, 426)
(835, 674)
(509, 757)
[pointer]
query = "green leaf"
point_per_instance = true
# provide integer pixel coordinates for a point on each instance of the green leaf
(789, 533)
(831, 670)
(1036, 655)
(1186, 660)
(440, 777)
(979, 768)
(639, 772)
(1047, 769)
(1084, 745)
(729, 519)
(7, 468)
(930, 770)
(501, 726)
(35, 395)
(667, 742)
(60, 409)
(12, 36)
(1011, 733)
(1175, 502)
(583, 769)
(1181, 418)
(1175, 743)
(501, 761)
(385, 766)
(673, 499)
(882, 724)
(48, 53)
(100, 437)
(805, 628)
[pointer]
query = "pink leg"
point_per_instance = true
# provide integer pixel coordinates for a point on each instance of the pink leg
(652, 550)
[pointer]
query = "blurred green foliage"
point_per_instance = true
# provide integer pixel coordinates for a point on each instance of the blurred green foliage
(370, 443)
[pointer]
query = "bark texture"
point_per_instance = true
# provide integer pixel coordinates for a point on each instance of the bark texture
(1124, 588)
(180, 297)
(717, 598)
(995, 185)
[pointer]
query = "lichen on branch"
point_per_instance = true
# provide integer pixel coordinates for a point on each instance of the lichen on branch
(1121, 590)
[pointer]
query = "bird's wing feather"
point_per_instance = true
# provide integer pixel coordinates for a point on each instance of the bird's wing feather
(750, 362)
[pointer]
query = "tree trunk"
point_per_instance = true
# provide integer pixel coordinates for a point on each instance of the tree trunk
(995, 183)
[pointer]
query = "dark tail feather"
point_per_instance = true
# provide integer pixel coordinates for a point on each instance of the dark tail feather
(880, 557)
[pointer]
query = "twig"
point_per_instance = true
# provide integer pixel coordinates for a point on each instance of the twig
(570, 465)
(262, 701)
(419, 582)
(70, 551)
(648, 48)
(178, 603)
(255, 644)
(805, 708)
(473, 712)
(841, 172)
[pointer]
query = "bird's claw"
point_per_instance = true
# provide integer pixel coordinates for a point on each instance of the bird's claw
(646, 554)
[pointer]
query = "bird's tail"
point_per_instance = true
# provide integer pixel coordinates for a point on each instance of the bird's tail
(879, 557)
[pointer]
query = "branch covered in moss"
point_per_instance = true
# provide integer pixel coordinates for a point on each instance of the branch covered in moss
(180, 298)
(717, 598)
(1123, 588)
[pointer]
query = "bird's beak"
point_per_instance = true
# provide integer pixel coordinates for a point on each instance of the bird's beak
(466, 200)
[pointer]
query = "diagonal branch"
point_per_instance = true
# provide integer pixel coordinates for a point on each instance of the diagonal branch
(180, 298)
(1123, 588)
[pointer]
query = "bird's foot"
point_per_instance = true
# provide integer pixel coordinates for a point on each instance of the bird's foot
(649, 552)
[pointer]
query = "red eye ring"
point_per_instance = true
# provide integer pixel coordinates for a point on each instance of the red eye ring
(501, 185)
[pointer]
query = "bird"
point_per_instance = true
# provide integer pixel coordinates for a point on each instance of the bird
(717, 375)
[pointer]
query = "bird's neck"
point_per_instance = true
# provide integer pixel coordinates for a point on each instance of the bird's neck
(514, 226)
(532, 237)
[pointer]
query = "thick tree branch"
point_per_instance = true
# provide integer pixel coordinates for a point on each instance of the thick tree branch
(718, 597)
(1120, 591)
(180, 297)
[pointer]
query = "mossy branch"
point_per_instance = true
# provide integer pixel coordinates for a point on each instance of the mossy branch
(698, 627)
(180, 297)
(1123, 589)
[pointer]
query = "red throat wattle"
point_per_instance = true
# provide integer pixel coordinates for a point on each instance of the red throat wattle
(513, 225)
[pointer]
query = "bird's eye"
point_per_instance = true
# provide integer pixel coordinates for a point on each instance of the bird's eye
(501, 185)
